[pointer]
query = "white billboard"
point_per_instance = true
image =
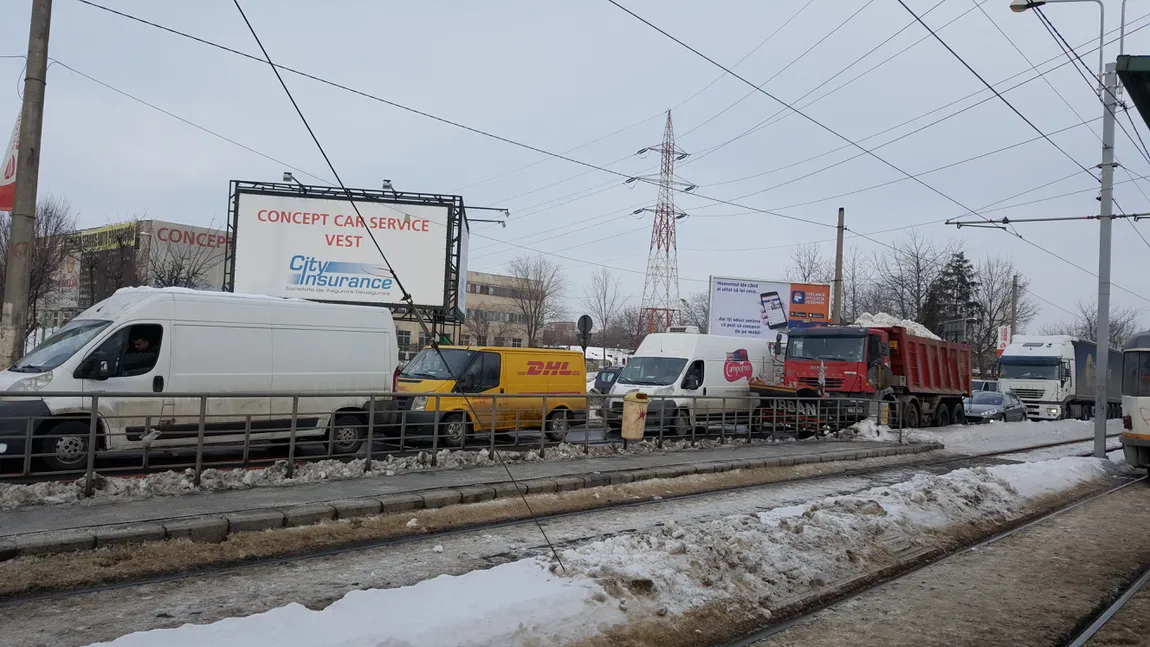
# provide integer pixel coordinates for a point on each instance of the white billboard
(762, 309)
(316, 248)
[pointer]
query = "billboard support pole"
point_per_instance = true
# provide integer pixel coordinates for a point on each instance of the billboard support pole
(22, 224)
(1014, 305)
(837, 316)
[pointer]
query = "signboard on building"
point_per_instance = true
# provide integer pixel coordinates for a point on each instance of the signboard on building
(309, 243)
(67, 293)
(8, 169)
(1004, 334)
(761, 309)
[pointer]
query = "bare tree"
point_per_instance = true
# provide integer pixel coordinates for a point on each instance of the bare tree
(55, 217)
(176, 265)
(858, 292)
(602, 299)
(697, 311)
(109, 260)
(537, 289)
(808, 265)
(903, 275)
(993, 295)
(632, 328)
(1123, 323)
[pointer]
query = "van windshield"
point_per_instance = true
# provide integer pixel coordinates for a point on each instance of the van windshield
(59, 347)
(654, 371)
(428, 365)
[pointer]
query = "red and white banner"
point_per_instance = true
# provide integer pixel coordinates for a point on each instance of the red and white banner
(8, 170)
(1004, 334)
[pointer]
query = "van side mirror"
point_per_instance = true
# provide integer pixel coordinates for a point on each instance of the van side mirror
(1065, 374)
(97, 364)
(691, 383)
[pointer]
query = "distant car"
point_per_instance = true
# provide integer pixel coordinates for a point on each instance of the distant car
(606, 377)
(984, 406)
(983, 385)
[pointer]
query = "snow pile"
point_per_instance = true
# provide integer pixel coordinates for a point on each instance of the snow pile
(748, 562)
(1006, 436)
(509, 604)
(869, 429)
(883, 320)
(218, 480)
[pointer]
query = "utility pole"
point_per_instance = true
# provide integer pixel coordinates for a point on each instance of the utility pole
(1109, 92)
(14, 312)
(837, 316)
(1014, 306)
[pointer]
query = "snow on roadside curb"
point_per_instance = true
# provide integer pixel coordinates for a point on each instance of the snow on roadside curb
(747, 563)
(171, 483)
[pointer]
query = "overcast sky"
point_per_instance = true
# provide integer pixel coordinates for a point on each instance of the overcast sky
(586, 76)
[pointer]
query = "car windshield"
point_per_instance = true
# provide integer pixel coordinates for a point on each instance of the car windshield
(428, 365)
(608, 376)
(834, 349)
(652, 371)
(59, 347)
(1012, 371)
(987, 397)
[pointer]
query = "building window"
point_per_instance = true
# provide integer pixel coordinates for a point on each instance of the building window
(484, 289)
(481, 340)
(516, 342)
(499, 341)
(423, 340)
(403, 337)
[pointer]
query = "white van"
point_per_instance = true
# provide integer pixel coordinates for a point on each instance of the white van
(174, 340)
(679, 365)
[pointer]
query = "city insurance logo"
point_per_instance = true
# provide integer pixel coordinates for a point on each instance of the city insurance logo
(308, 271)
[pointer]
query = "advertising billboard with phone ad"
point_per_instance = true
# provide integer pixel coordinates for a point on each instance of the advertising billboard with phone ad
(762, 309)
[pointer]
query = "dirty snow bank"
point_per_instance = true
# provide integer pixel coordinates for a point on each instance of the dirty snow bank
(748, 562)
(869, 429)
(883, 320)
(171, 483)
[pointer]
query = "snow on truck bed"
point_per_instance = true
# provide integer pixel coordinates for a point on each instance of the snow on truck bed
(884, 320)
(735, 561)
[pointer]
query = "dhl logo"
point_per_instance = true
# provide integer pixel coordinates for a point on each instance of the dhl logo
(548, 368)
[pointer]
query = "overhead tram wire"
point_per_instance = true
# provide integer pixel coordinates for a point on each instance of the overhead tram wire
(406, 295)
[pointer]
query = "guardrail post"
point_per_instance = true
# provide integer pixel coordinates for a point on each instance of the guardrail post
(494, 417)
(28, 448)
(247, 438)
(750, 419)
(291, 436)
(775, 419)
(662, 424)
(200, 441)
(838, 419)
(402, 429)
(587, 427)
(722, 421)
(543, 428)
(370, 433)
(147, 430)
(435, 433)
(93, 427)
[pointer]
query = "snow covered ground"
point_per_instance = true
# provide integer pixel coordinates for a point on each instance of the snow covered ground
(739, 561)
(1000, 436)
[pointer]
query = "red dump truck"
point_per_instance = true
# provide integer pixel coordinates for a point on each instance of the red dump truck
(926, 377)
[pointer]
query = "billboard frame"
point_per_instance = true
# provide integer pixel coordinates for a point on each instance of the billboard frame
(448, 312)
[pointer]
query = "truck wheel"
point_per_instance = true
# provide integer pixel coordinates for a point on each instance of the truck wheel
(557, 425)
(453, 429)
(65, 446)
(959, 414)
(348, 434)
(910, 418)
(942, 415)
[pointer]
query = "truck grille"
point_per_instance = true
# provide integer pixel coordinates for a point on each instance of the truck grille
(813, 382)
(1029, 394)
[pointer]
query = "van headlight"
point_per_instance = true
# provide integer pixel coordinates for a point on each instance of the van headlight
(34, 383)
(419, 403)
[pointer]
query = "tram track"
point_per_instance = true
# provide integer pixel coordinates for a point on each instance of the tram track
(227, 566)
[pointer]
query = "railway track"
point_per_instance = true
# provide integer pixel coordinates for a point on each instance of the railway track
(761, 637)
(951, 462)
(1098, 622)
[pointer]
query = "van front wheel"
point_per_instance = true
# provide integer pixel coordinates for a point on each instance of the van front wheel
(64, 446)
(347, 434)
(453, 429)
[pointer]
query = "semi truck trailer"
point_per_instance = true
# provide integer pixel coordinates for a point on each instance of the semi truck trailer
(1054, 376)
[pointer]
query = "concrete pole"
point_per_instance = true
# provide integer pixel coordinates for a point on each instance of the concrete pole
(1109, 92)
(14, 312)
(837, 315)
(1014, 306)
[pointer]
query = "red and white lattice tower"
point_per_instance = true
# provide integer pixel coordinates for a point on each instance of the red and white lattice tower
(660, 306)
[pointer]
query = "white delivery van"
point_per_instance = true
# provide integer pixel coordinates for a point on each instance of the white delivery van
(673, 367)
(175, 340)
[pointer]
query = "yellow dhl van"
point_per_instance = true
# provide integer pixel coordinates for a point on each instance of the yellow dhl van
(546, 389)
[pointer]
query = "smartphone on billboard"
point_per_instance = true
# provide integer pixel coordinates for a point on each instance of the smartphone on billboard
(774, 317)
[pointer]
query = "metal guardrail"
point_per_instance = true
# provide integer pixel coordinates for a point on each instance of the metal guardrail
(128, 433)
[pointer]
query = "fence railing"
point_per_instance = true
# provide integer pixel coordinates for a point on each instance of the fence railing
(59, 435)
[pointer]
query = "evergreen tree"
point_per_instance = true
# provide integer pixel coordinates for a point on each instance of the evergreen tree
(952, 295)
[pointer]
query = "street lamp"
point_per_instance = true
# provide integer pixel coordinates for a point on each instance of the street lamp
(1108, 93)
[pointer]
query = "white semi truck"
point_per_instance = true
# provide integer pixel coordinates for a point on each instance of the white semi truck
(1054, 376)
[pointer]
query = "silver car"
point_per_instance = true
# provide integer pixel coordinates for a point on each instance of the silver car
(985, 406)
